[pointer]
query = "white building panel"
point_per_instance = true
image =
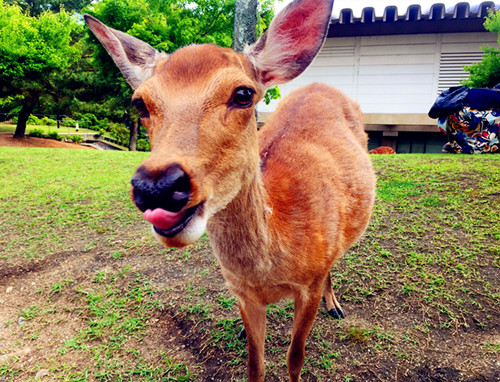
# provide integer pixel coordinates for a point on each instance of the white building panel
(393, 74)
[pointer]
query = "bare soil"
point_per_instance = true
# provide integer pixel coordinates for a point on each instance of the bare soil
(454, 355)
(7, 140)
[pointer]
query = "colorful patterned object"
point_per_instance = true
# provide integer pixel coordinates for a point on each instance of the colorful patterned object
(471, 131)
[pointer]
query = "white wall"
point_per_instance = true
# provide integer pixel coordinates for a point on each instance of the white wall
(392, 74)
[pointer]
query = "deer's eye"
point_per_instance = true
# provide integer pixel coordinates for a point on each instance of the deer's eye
(141, 107)
(243, 97)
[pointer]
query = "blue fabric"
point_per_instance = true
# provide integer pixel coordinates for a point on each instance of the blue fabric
(449, 101)
(483, 99)
(455, 98)
(472, 131)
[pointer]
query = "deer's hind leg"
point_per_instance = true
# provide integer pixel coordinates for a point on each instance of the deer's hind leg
(332, 304)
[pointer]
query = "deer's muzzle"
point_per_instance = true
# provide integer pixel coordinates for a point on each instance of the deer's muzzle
(163, 197)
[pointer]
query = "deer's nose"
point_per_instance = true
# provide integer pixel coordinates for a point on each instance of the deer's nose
(169, 190)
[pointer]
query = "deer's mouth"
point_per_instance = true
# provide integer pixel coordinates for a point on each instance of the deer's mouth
(169, 224)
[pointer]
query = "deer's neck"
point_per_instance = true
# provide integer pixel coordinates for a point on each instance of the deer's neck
(240, 233)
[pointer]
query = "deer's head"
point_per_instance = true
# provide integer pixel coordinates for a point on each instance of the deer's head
(198, 105)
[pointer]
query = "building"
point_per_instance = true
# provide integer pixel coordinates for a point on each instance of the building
(394, 65)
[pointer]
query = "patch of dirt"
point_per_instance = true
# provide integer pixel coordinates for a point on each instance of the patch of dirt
(170, 330)
(442, 374)
(7, 140)
(443, 358)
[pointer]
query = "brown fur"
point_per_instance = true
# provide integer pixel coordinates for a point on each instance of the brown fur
(305, 185)
(280, 205)
(382, 150)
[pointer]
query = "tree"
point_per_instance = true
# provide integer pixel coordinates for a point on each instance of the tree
(245, 24)
(250, 21)
(167, 25)
(164, 24)
(34, 51)
(486, 73)
(37, 7)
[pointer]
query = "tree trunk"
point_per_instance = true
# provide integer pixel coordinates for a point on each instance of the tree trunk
(245, 23)
(29, 104)
(132, 144)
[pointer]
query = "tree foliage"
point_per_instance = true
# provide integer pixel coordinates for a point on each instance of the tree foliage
(52, 64)
(164, 24)
(33, 47)
(37, 7)
(486, 73)
(34, 51)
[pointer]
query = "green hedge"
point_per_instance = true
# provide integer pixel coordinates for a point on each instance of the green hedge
(38, 133)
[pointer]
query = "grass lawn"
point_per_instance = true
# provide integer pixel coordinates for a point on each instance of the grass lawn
(9, 128)
(88, 295)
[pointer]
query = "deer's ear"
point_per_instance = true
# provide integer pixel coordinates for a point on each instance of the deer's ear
(134, 57)
(292, 41)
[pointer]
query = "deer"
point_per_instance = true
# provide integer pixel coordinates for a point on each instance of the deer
(279, 204)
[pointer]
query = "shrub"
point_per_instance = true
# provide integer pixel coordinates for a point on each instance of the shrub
(69, 122)
(54, 135)
(486, 73)
(88, 119)
(38, 133)
(47, 121)
(120, 132)
(33, 120)
(74, 138)
(143, 145)
(103, 124)
(272, 93)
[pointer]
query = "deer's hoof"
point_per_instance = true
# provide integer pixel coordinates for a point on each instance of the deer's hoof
(242, 335)
(336, 313)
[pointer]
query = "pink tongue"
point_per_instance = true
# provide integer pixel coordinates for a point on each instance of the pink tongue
(163, 219)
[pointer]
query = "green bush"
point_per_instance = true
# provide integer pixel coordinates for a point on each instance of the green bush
(47, 121)
(74, 138)
(88, 119)
(33, 120)
(38, 133)
(143, 145)
(54, 135)
(272, 93)
(103, 124)
(486, 73)
(120, 132)
(69, 122)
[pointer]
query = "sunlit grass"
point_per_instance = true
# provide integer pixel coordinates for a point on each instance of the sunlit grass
(10, 128)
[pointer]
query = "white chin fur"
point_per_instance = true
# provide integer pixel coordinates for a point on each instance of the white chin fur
(190, 234)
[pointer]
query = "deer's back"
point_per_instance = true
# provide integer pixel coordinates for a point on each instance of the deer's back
(317, 173)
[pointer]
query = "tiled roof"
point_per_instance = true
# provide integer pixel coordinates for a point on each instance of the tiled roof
(463, 17)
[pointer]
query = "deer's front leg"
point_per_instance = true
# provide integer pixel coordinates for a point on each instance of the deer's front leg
(254, 319)
(306, 307)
